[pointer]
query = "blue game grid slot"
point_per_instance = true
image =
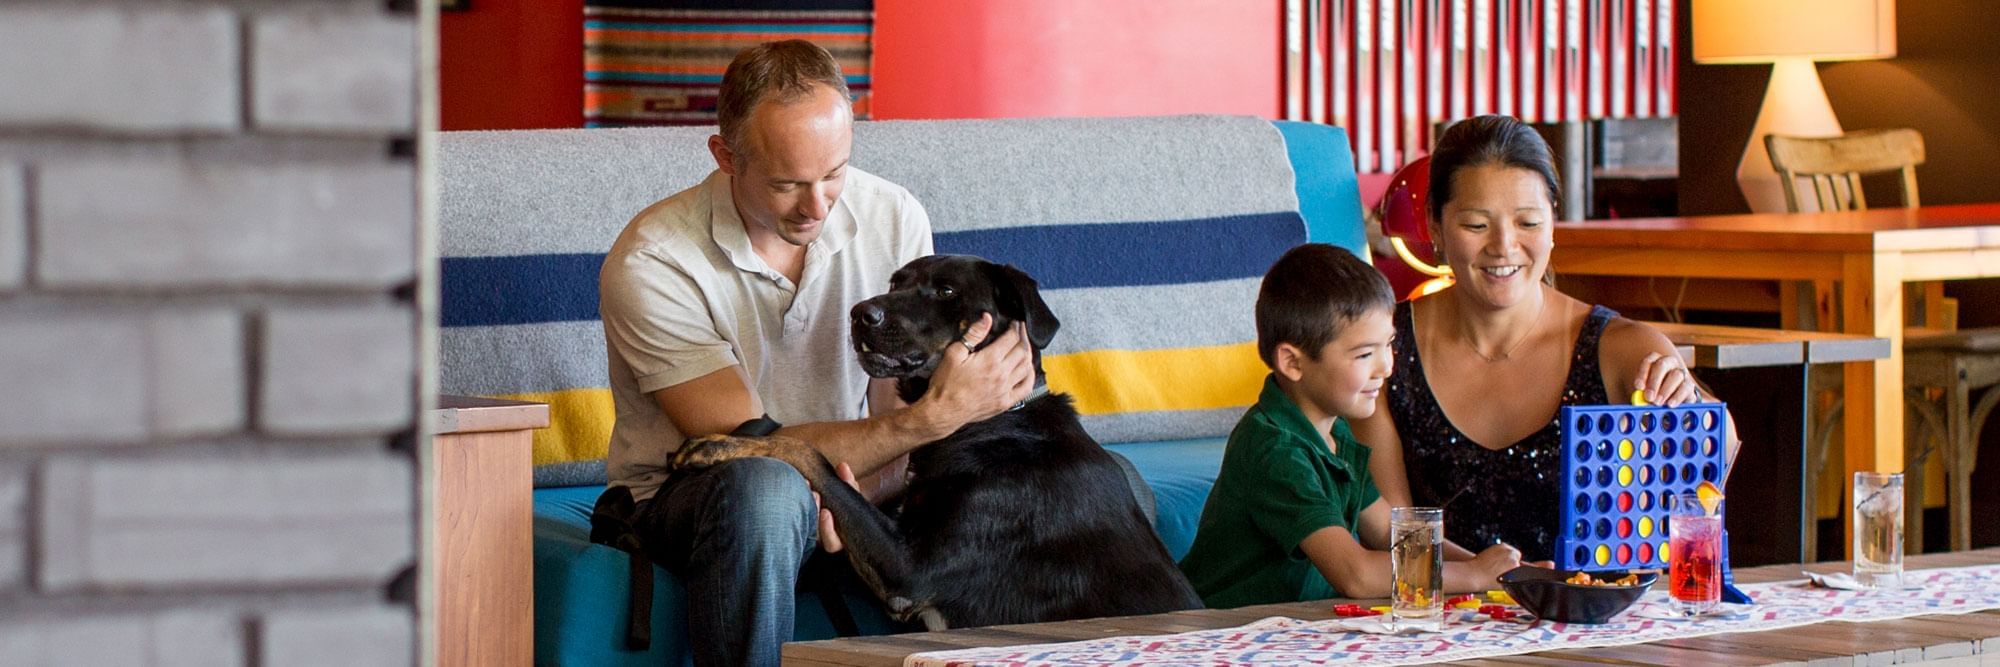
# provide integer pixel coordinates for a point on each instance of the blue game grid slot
(1620, 463)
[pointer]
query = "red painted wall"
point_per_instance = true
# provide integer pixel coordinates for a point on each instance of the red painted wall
(1019, 58)
(512, 64)
(518, 64)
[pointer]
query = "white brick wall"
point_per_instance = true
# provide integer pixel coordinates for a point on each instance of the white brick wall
(191, 523)
(89, 377)
(188, 224)
(361, 637)
(169, 639)
(294, 88)
(330, 371)
(208, 331)
(159, 69)
(197, 372)
(13, 528)
(13, 229)
(112, 376)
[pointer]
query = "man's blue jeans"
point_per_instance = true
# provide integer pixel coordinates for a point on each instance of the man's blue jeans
(736, 534)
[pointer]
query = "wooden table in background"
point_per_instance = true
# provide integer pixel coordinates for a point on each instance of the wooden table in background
(1920, 638)
(485, 529)
(1869, 254)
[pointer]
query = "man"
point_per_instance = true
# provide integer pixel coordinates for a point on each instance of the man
(729, 300)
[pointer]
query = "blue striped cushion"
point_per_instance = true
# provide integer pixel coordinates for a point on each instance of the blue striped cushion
(1148, 235)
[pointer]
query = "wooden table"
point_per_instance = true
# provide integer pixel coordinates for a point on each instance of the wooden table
(1879, 642)
(485, 529)
(1869, 254)
(1750, 368)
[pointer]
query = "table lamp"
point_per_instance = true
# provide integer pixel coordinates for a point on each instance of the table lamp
(1791, 35)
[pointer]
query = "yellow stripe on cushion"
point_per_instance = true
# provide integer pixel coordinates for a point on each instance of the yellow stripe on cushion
(579, 424)
(1188, 378)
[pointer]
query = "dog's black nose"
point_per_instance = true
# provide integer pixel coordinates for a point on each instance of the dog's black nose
(868, 314)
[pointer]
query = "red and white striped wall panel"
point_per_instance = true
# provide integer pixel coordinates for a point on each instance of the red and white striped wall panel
(1391, 70)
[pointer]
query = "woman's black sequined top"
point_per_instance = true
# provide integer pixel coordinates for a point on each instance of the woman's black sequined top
(1506, 495)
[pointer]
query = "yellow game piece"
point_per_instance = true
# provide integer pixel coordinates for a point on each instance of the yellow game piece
(1468, 604)
(1501, 597)
(1624, 475)
(1711, 497)
(1645, 526)
(1624, 450)
(1639, 397)
(1664, 555)
(1384, 609)
(1603, 555)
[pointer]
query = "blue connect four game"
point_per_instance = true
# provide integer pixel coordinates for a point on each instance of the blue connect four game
(1620, 464)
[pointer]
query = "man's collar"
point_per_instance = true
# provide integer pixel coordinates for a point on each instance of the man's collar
(727, 226)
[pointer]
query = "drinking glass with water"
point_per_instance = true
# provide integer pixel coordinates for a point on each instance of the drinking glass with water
(1416, 563)
(1878, 529)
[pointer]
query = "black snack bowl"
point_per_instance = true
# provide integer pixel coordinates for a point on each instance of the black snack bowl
(1546, 594)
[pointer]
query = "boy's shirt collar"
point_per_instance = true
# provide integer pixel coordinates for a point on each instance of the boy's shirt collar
(1286, 415)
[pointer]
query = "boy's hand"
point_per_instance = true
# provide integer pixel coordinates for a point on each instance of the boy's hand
(1496, 560)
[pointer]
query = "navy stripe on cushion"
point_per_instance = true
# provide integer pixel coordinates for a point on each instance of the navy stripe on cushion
(525, 289)
(520, 289)
(1138, 253)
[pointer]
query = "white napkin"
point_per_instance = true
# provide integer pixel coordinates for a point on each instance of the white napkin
(1838, 580)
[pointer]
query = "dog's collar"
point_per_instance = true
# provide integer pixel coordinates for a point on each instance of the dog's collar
(1041, 389)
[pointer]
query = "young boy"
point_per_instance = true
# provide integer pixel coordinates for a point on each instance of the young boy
(1294, 514)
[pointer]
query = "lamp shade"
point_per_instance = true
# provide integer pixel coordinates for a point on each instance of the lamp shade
(1762, 31)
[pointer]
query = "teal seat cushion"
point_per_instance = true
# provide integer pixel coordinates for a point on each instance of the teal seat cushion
(1329, 194)
(581, 588)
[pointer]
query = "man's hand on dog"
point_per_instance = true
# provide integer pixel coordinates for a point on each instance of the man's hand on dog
(971, 386)
(829, 537)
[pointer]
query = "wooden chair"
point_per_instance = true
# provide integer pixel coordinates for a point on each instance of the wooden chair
(1960, 363)
(1835, 165)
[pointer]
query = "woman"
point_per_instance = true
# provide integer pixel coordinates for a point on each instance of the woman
(1483, 367)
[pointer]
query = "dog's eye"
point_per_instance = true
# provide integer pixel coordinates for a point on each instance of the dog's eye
(946, 294)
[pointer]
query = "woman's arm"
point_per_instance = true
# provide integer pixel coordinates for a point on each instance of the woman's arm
(1636, 357)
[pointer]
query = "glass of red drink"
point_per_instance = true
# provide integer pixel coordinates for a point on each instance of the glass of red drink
(1694, 558)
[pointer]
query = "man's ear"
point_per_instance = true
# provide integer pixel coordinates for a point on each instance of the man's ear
(725, 159)
(1016, 295)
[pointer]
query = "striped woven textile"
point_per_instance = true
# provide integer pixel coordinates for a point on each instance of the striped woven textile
(1149, 237)
(662, 64)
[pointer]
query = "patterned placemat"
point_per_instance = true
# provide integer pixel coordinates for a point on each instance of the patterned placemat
(1285, 641)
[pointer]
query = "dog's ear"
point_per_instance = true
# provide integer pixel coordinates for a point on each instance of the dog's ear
(1016, 295)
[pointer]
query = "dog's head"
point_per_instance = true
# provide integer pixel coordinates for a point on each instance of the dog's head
(931, 302)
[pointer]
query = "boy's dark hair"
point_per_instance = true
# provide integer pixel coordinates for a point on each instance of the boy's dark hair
(1311, 294)
(1488, 140)
(781, 72)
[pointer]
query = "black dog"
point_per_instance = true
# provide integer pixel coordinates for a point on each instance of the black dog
(1017, 519)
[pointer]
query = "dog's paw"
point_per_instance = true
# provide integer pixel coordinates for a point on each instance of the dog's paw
(705, 451)
(904, 609)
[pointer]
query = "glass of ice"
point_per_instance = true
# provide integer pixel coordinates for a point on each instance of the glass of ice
(1878, 529)
(1416, 563)
(1694, 560)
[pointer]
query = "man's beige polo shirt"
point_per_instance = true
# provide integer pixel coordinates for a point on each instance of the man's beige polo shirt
(683, 295)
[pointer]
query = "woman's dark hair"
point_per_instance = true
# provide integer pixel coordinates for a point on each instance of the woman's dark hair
(1488, 140)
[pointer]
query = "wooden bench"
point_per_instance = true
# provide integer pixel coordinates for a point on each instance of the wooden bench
(1715, 346)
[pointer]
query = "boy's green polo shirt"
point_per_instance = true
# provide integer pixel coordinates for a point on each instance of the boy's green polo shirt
(1278, 485)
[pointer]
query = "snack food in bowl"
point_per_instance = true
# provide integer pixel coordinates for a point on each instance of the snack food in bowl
(1552, 595)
